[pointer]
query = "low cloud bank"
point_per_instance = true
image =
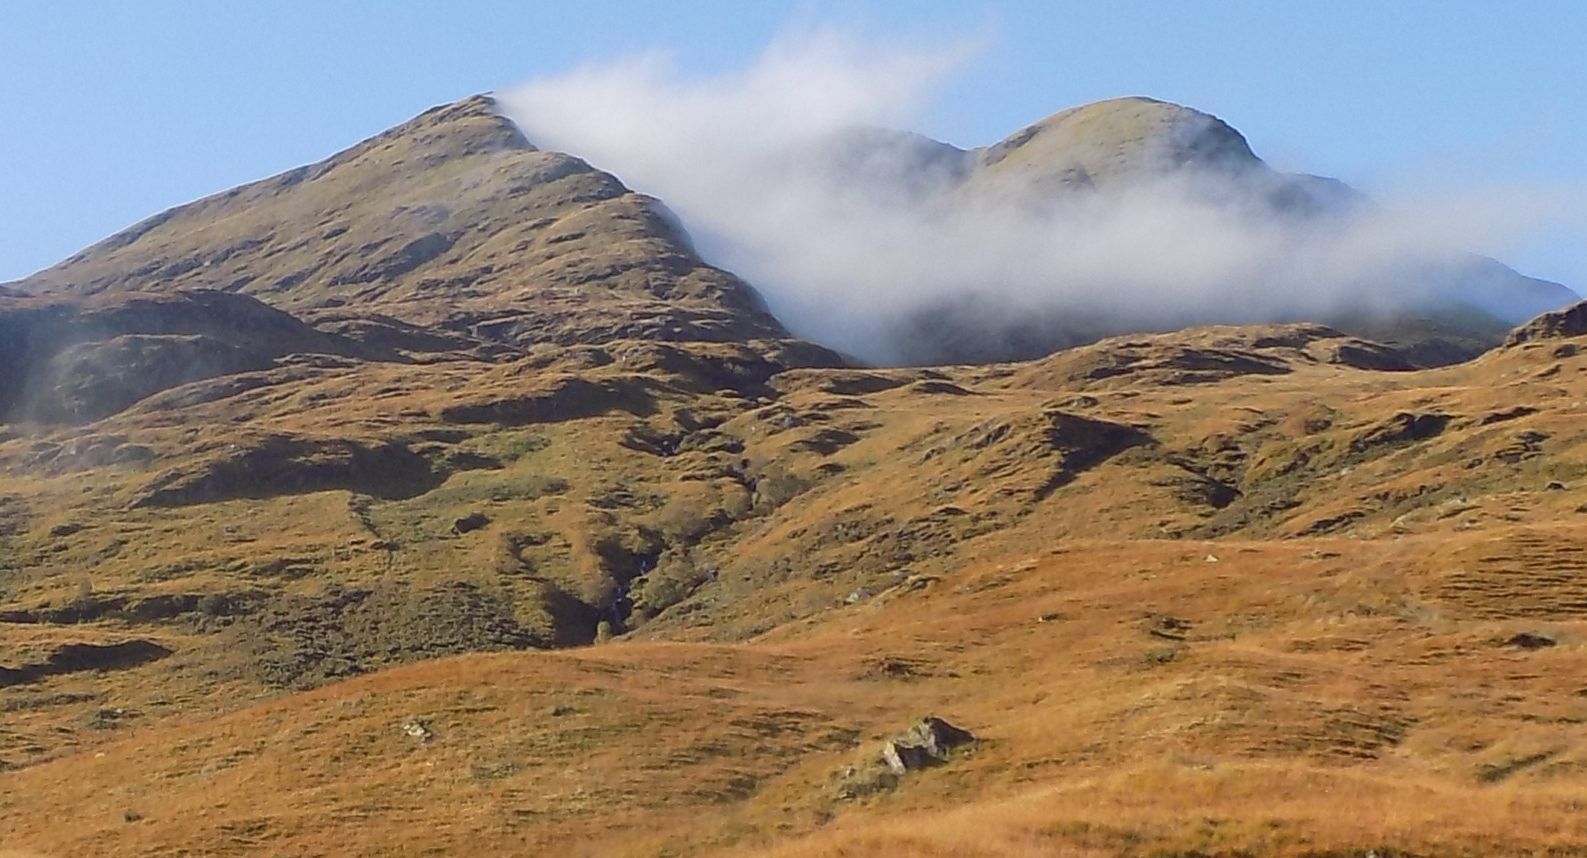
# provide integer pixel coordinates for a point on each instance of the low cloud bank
(882, 243)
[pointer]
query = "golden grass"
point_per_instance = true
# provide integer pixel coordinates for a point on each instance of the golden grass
(1150, 674)
(1237, 809)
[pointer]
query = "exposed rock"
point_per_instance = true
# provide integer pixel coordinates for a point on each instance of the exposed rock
(1530, 640)
(928, 743)
(1402, 428)
(1558, 325)
(470, 523)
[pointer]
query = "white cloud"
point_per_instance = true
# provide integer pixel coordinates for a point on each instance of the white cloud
(763, 166)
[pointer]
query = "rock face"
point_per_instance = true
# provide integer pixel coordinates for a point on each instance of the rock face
(452, 222)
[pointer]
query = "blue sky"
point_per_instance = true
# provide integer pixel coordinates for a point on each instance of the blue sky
(112, 111)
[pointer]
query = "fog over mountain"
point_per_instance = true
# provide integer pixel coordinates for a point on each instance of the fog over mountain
(492, 486)
(1128, 214)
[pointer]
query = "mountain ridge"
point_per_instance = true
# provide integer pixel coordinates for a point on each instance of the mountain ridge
(1114, 143)
(603, 561)
(451, 220)
(466, 226)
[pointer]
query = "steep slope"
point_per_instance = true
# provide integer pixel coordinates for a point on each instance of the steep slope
(79, 360)
(452, 221)
(446, 238)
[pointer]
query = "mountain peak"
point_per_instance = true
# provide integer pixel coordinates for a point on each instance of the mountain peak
(452, 221)
(1121, 137)
(471, 125)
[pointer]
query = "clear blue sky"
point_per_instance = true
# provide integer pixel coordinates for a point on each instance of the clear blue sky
(112, 111)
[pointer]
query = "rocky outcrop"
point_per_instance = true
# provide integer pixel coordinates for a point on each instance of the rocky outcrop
(930, 742)
(1558, 325)
(926, 744)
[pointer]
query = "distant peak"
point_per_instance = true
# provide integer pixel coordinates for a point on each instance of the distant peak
(1137, 108)
(471, 124)
(1127, 135)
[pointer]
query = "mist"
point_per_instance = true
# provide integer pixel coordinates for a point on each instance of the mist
(883, 243)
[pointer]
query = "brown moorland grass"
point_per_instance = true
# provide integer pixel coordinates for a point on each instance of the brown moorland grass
(1246, 614)
(1281, 738)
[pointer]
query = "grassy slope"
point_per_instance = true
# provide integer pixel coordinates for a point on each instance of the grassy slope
(1317, 664)
(451, 221)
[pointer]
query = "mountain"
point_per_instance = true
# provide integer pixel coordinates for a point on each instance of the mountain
(455, 225)
(448, 236)
(1118, 142)
(1439, 307)
(587, 555)
(452, 222)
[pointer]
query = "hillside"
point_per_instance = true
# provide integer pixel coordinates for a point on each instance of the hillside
(1223, 565)
(453, 222)
(588, 556)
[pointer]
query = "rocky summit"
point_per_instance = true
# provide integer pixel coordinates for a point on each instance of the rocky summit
(441, 498)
